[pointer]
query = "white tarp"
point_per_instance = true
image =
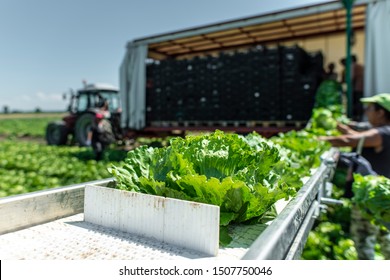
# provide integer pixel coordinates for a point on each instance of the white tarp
(132, 86)
(377, 57)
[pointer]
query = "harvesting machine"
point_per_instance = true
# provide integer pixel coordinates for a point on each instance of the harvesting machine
(94, 221)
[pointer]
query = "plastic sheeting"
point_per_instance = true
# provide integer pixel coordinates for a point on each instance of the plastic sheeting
(377, 56)
(132, 86)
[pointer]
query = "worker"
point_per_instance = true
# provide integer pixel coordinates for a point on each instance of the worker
(375, 143)
(376, 139)
(357, 76)
(104, 109)
(100, 136)
(330, 73)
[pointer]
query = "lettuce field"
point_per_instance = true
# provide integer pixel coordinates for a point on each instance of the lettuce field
(27, 164)
(23, 125)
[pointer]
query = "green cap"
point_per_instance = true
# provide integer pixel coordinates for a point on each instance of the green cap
(382, 99)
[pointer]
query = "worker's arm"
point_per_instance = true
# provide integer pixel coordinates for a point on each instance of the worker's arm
(345, 129)
(89, 137)
(372, 139)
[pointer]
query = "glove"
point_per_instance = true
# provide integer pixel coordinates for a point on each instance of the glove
(360, 164)
(88, 143)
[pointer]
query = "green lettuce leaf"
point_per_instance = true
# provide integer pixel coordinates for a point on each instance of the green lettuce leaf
(372, 195)
(244, 176)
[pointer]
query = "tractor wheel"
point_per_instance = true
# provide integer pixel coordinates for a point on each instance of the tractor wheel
(83, 126)
(56, 133)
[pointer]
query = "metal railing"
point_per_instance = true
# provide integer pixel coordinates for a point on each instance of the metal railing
(30, 209)
(286, 236)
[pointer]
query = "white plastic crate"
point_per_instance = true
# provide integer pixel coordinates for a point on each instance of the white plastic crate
(187, 224)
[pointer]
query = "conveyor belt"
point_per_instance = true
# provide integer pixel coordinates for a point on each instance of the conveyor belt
(73, 239)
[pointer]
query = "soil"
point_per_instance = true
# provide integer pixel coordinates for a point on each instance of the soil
(30, 115)
(39, 140)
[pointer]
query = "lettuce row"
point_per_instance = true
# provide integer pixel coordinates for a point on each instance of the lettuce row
(372, 195)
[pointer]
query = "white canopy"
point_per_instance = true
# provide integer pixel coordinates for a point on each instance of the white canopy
(377, 57)
(132, 86)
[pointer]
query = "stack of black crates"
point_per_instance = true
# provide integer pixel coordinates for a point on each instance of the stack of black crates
(260, 84)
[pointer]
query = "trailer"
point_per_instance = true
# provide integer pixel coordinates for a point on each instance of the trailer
(244, 75)
(320, 27)
(67, 223)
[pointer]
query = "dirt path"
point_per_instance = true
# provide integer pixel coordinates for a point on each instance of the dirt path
(31, 115)
(39, 140)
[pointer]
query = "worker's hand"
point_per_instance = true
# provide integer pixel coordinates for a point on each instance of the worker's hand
(325, 138)
(88, 143)
(345, 129)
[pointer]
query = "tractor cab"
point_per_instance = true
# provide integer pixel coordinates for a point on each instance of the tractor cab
(93, 97)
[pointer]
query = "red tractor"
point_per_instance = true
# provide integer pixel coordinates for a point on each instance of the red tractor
(82, 109)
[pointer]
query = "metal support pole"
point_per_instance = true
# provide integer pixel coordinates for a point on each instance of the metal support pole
(348, 4)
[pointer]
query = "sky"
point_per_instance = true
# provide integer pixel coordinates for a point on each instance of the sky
(48, 47)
